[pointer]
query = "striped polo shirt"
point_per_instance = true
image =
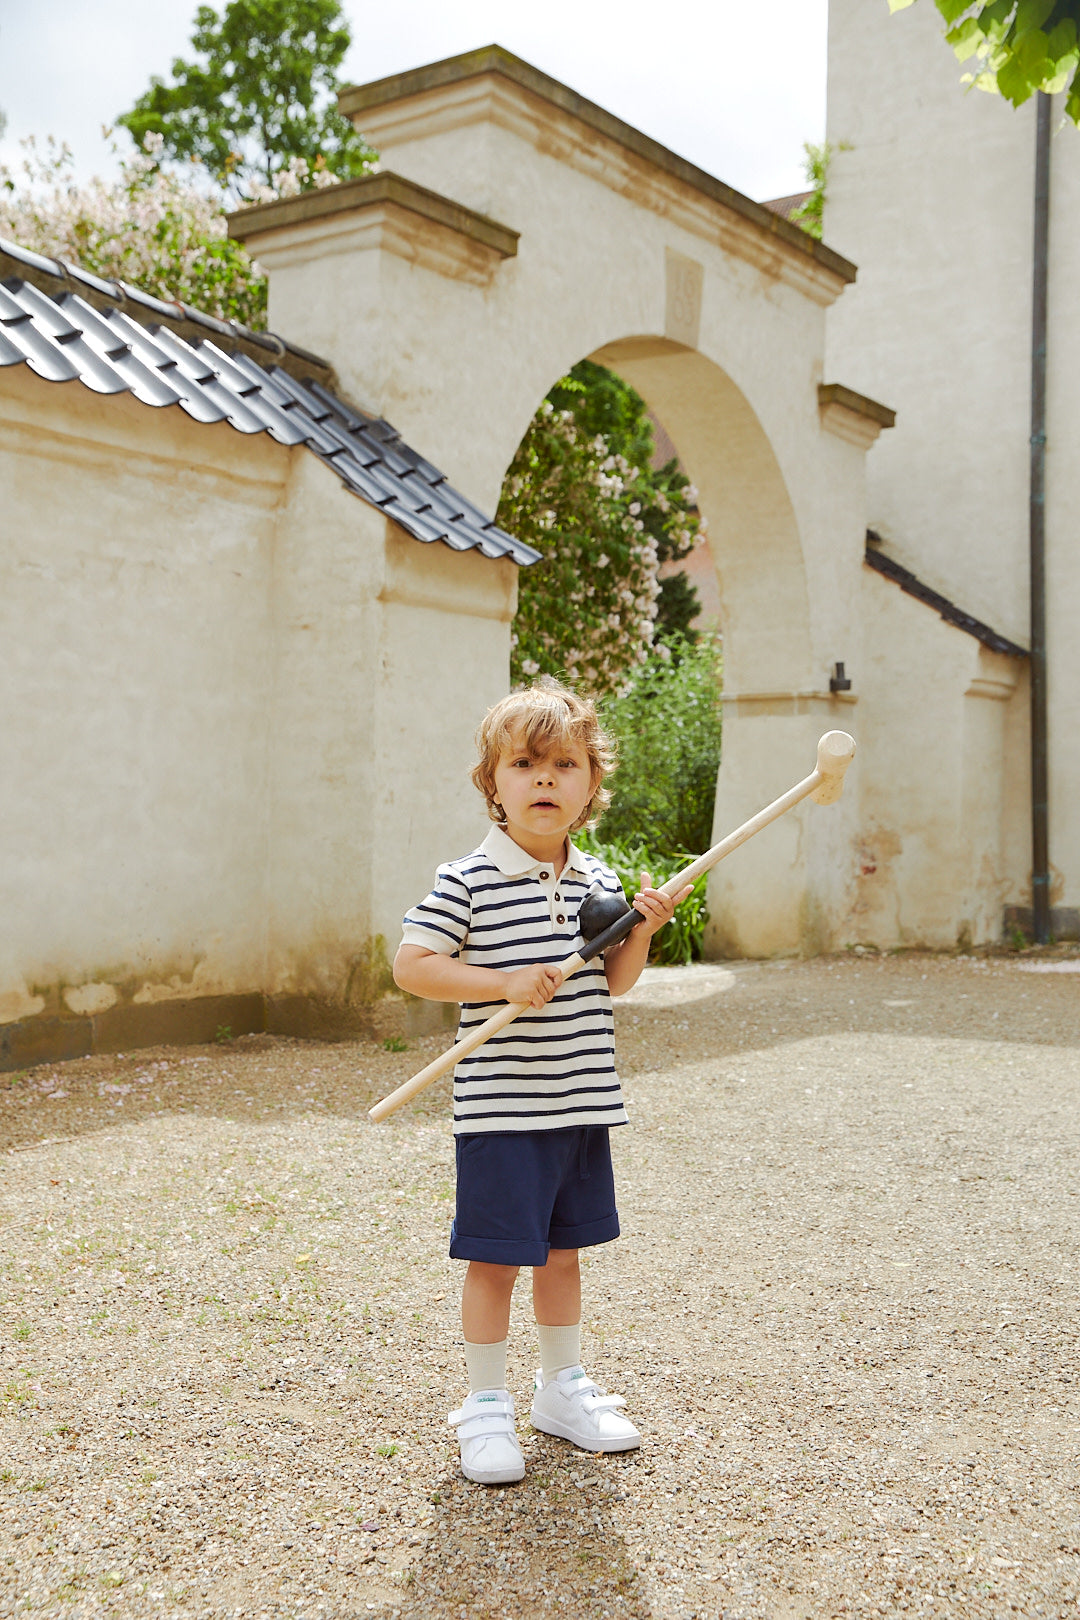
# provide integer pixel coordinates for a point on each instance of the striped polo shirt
(548, 1070)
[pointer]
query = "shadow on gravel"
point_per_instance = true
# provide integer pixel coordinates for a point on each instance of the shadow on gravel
(708, 1013)
(548, 1544)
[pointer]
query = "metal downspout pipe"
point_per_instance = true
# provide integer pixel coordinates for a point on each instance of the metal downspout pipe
(1040, 839)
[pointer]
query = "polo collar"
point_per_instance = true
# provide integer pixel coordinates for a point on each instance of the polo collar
(513, 861)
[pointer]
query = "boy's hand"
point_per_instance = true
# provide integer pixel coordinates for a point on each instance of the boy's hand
(656, 907)
(533, 985)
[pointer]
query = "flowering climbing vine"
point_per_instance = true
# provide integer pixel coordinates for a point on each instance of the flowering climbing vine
(151, 227)
(158, 228)
(587, 612)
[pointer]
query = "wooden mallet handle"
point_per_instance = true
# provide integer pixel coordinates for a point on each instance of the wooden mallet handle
(824, 785)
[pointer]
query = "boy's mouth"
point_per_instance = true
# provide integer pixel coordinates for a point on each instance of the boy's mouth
(544, 804)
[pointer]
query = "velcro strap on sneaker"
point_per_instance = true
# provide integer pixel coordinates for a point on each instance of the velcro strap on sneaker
(484, 1423)
(495, 1416)
(593, 1398)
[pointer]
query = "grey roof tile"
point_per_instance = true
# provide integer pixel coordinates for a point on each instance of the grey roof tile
(123, 342)
(146, 381)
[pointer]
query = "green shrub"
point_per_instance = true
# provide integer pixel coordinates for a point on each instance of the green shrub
(668, 731)
(681, 941)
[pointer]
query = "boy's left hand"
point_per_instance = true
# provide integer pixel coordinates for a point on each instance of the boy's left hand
(656, 907)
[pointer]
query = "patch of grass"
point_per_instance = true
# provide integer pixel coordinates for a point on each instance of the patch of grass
(223, 1033)
(394, 1043)
(388, 1450)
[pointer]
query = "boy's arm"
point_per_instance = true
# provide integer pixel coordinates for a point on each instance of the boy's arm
(438, 977)
(623, 964)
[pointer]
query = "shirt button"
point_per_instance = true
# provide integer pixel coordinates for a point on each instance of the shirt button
(545, 876)
(558, 896)
(560, 919)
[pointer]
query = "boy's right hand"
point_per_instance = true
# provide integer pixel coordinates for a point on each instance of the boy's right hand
(533, 986)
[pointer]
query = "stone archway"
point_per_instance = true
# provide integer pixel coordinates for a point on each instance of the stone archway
(521, 228)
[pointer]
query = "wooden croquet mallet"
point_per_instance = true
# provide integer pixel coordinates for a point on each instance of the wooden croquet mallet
(824, 785)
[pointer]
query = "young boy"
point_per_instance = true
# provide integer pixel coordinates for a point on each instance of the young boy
(532, 1106)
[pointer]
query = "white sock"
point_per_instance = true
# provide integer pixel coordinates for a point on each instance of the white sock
(486, 1365)
(560, 1347)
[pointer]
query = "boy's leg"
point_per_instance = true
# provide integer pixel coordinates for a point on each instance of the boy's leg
(485, 1322)
(557, 1305)
(490, 1453)
(567, 1402)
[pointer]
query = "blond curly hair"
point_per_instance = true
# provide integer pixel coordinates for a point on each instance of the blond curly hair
(545, 716)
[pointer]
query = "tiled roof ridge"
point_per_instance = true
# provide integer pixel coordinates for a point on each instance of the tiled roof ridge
(64, 336)
(786, 206)
(145, 307)
(909, 582)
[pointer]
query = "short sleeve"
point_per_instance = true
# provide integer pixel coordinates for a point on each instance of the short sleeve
(441, 922)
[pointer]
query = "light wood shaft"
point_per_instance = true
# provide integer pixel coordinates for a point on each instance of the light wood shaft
(771, 812)
(461, 1049)
(835, 765)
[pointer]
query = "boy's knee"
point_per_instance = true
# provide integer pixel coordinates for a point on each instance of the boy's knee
(561, 1260)
(493, 1276)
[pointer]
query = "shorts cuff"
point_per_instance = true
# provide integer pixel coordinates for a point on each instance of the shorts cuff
(583, 1237)
(499, 1251)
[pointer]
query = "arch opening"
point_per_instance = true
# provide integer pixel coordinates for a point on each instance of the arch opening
(760, 605)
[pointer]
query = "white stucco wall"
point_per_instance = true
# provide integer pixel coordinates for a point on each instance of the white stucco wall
(934, 200)
(136, 571)
(459, 361)
(235, 702)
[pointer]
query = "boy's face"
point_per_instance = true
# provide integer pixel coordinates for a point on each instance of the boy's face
(542, 794)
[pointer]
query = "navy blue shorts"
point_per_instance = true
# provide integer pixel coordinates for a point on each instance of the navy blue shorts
(521, 1193)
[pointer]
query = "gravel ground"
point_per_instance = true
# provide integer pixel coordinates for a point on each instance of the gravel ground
(843, 1311)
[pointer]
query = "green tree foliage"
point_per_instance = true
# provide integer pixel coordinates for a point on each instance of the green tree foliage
(150, 228)
(260, 95)
(581, 490)
(667, 726)
(586, 610)
(816, 161)
(1019, 46)
(602, 402)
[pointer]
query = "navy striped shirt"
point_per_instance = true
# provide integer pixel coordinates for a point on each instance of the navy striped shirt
(548, 1070)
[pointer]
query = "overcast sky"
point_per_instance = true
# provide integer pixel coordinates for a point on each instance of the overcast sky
(702, 76)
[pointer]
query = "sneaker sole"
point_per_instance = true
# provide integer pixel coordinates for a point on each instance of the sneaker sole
(549, 1426)
(479, 1478)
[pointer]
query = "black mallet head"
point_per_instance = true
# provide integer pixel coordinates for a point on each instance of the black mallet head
(599, 910)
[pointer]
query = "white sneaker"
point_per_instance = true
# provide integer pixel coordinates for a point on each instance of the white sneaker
(575, 1409)
(490, 1454)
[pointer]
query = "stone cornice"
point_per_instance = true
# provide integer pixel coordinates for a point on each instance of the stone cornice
(755, 704)
(493, 84)
(852, 416)
(373, 191)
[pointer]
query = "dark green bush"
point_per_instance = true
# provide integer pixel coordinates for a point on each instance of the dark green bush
(668, 731)
(682, 939)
